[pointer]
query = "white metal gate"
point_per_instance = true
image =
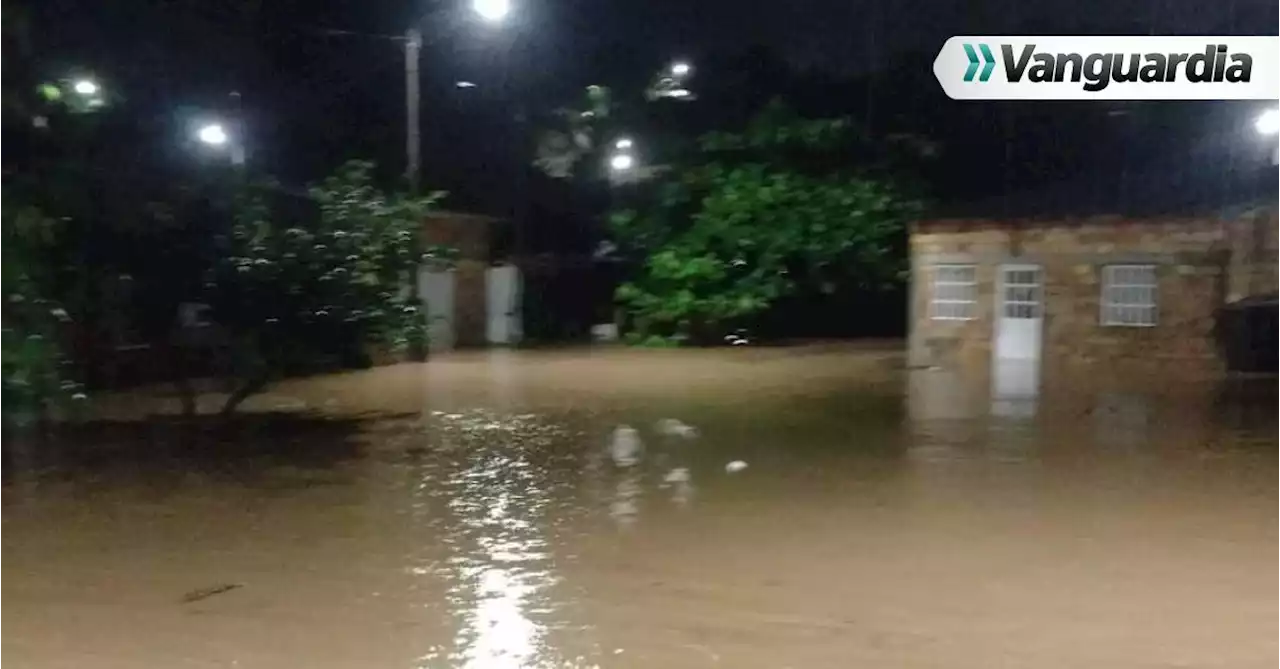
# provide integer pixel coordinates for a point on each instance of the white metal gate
(502, 292)
(436, 289)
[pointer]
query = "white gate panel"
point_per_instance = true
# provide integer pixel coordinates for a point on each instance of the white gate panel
(436, 289)
(502, 291)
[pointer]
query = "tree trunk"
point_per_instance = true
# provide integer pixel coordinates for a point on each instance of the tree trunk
(179, 373)
(250, 387)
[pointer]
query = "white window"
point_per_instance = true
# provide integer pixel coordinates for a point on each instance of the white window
(1129, 295)
(955, 292)
(1022, 293)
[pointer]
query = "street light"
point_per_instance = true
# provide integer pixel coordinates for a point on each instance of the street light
(680, 69)
(621, 162)
(212, 134)
(622, 144)
(492, 10)
(1269, 125)
(215, 136)
(85, 87)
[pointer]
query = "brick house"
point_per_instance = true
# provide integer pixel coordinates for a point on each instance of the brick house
(1148, 287)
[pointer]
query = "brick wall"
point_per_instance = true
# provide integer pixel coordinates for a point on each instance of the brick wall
(1197, 264)
(470, 235)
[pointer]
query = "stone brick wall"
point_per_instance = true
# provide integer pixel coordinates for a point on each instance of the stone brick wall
(468, 233)
(1198, 263)
(1252, 270)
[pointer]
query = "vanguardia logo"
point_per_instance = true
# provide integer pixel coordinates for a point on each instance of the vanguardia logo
(988, 62)
(1026, 68)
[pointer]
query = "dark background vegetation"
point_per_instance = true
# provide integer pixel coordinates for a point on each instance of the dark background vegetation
(319, 83)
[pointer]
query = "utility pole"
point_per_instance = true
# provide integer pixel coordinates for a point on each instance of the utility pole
(412, 108)
(237, 149)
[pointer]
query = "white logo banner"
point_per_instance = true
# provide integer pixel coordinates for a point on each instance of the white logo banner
(1109, 68)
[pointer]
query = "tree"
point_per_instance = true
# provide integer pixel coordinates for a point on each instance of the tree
(36, 369)
(758, 215)
(295, 291)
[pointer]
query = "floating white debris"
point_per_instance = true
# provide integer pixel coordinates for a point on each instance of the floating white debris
(625, 446)
(677, 475)
(670, 427)
(735, 466)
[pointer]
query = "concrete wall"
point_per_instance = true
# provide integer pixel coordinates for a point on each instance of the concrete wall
(1200, 263)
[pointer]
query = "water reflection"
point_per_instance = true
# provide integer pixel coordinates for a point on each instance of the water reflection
(624, 508)
(680, 482)
(497, 500)
(1121, 420)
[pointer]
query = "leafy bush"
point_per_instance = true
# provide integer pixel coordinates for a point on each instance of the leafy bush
(290, 292)
(36, 372)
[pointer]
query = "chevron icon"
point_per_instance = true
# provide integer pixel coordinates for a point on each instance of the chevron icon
(987, 57)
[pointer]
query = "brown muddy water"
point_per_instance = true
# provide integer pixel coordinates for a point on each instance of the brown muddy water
(468, 513)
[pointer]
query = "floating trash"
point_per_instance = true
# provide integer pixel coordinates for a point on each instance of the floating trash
(670, 427)
(677, 475)
(735, 466)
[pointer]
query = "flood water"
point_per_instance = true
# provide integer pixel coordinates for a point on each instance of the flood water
(468, 513)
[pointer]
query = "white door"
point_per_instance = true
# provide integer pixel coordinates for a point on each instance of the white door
(1020, 314)
(502, 292)
(436, 288)
(1015, 364)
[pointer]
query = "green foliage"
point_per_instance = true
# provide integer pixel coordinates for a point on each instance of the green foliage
(36, 373)
(292, 292)
(571, 135)
(758, 218)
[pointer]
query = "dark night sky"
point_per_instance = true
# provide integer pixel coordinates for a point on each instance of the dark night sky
(311, 100)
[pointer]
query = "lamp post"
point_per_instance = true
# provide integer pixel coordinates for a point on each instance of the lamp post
(491, 11)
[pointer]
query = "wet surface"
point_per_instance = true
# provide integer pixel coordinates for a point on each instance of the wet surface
(473, 512)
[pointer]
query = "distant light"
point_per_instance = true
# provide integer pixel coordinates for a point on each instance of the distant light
(680, 69)
(465, 84)
(678, 93)
(492, 10)
(623, 144)
(1268, 122)
(85, 87)
(621, 162)
(212, 134)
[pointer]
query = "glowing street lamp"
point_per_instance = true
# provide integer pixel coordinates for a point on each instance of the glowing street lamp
(680, 69)
(212, 134)
(1268, 122)
(492, 10)
(85, 87)
(623, 144)
(1269, 125)
(621, 162)
(215, 135)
